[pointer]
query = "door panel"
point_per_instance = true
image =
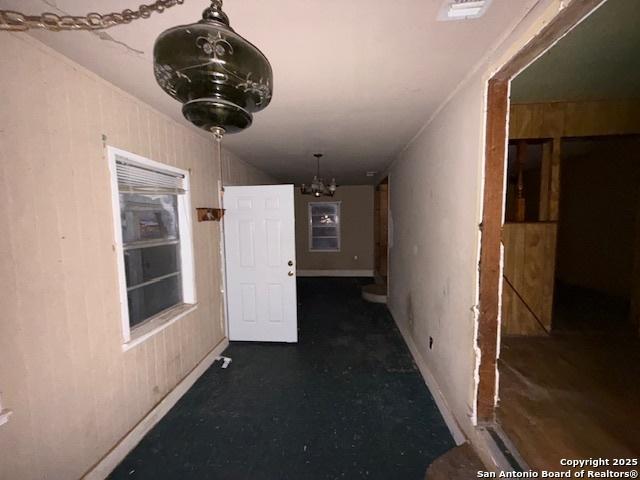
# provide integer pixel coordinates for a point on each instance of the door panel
(260, 243)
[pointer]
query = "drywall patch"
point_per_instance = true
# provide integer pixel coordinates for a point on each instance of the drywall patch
(477, 355)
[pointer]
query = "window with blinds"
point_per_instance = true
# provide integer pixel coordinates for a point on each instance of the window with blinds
(152, 200)
(324, 226)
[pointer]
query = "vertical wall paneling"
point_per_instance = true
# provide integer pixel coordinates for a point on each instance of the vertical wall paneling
(529, 267)
(64, 372)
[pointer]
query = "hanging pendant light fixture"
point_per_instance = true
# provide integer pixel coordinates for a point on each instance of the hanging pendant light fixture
(318, 187)
(221, 78)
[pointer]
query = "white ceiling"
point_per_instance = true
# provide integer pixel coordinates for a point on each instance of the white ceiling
(598, 60)
(353, 79)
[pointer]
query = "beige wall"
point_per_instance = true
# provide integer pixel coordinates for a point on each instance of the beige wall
(356, 231)
(238, 172)
(73, 390)
(435, 204)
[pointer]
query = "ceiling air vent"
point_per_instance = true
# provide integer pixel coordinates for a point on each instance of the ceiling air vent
(462, 9)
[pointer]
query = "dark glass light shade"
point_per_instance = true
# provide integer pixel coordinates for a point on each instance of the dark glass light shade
(221, 78)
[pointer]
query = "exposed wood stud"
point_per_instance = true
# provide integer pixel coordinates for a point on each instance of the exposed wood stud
(490, 272)
(493, 198)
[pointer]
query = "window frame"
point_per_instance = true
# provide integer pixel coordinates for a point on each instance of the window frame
(132, 336)
(338, 205)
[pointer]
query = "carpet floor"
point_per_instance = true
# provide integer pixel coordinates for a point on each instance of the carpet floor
(347, 401)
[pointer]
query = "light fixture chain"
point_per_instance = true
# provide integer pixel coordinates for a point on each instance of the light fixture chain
(19, 22)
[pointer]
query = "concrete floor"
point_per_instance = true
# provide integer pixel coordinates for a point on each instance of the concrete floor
(347, 401)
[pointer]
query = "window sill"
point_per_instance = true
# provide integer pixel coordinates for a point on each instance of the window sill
(156, 324)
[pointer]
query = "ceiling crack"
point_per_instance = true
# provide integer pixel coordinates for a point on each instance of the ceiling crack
(102, 35)
(105, 36)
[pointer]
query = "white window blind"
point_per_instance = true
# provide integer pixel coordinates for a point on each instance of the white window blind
(134, 178)
(324, 226)
(152, 214)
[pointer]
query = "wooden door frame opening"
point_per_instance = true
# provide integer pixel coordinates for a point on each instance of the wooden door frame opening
(490, 284)
(377, 226)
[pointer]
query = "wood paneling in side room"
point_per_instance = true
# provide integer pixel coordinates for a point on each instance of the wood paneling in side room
(73, 390)
(574, 119)
(529, 264)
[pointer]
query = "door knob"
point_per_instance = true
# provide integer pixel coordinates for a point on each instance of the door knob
(291, 274)
(290, 263)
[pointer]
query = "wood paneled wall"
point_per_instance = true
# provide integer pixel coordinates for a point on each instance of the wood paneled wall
(73, 390)
(574, 119)
(530, 249)
(529, 276)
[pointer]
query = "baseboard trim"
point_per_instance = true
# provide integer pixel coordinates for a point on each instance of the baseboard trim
(334, 273)
(110, 461)
(456, 432)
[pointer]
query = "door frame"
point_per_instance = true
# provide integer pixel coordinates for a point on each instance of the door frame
(387, 181)
(497, 137)
(389, 233)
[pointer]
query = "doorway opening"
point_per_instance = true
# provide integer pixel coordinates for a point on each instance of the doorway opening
(568, 315)
(381, 230)
(598, 236)
(377, 292)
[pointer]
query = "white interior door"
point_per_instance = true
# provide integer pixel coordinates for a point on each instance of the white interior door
(259, 228)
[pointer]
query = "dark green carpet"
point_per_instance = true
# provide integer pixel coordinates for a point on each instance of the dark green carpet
(345, 402)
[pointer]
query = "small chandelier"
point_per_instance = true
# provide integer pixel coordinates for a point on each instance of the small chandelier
(221, 78)
(318, 187)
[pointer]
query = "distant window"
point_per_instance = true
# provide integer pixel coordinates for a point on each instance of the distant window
(324, 226)
(151, 205)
